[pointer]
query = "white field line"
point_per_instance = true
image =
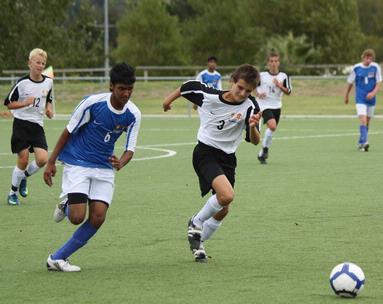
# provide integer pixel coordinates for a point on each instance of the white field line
(171, 153)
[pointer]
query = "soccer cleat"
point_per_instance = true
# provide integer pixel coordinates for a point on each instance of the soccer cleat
(13, 200)
(61, 265)
(59, 213)
(200, 255)
(262, 160)
(23, 189)
(363, 147)
(194, 236)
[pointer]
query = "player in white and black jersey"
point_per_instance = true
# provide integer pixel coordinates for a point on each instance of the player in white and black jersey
(223, 117)
(28, 100)
(273, 85)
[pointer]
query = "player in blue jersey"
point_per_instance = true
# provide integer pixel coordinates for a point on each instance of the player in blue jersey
(367, 77)
(86, 147)
(210, 76)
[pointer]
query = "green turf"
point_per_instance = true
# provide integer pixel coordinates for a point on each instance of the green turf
(316, 204)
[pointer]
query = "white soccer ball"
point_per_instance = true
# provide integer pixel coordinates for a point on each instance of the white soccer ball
(347, 280)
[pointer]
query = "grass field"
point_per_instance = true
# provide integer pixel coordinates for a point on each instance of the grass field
(310, 96)
(316, 204)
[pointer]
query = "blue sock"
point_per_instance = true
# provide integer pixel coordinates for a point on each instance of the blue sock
(363, 134)
(79, 239)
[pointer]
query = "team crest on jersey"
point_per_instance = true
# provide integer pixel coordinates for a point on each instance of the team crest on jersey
(371, 75)
(119, 128)
(235, 118)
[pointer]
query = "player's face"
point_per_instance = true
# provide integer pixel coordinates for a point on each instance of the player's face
(241, 90)
(37, 64)
(273, 64)
(211, 65)
(367, 60)
(121, 93)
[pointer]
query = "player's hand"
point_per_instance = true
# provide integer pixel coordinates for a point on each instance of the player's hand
(166, 106)
(50, 171)
(260, 95)
(255, 119)
(115, 161)
(277, 83)
(346, 99)
(370, 96)
(29, 101)
(49, 113)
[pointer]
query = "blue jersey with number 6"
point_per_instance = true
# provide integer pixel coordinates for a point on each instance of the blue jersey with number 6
(95, 127)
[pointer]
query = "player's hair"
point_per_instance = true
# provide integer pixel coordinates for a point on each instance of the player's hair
(368, 52)
(122, 73)
(248, 73)
(272, 53)
(212, 58)
(38, 51)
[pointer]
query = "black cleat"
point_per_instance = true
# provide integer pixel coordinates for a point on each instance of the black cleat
(265, 152)
(194, 236)
(262, 160)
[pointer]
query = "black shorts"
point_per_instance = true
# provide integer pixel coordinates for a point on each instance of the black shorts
(209, 162)
(26, 135)
(268, 114)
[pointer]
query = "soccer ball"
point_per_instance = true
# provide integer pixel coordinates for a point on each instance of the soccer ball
(347, 280)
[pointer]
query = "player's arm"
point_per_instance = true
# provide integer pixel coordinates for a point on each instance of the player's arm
(170, 98)
(13, 105)
(50, 169)
(348, 90)
(119, 163)
(375, 91)
(48, 105)
(254, 135)
(282, 86)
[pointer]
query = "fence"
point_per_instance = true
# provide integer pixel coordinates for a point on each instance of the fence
(165, 73)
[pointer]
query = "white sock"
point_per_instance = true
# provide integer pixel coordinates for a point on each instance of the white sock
(211, 207)
(209, 227)
(268, 138)
(32, 168)
(17, 176)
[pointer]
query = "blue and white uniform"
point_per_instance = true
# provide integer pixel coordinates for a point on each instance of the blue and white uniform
(212, 80)
(95, 126)
(365, 78)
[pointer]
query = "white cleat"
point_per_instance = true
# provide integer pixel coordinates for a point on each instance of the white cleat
(61, 265)
(200, 255)
(59, 213)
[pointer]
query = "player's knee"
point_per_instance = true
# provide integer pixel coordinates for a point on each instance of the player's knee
(225, 198)
(96, 220)
(76, 219)
(41, 162)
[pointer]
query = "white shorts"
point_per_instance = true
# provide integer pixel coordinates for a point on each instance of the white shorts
(96, 183)
(366, 110)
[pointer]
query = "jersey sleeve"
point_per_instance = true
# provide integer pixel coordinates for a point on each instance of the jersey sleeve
(378, 73)
(50, 96)
(199, 77)
(351, 77)
(80, 116)
(219, 84)
(254, 109)
(194, 91)
(287, 83)
(132, 133)
(12, 96)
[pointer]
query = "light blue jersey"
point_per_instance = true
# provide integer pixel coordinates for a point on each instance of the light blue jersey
(365, 78)
(95, 126)
(212, 80)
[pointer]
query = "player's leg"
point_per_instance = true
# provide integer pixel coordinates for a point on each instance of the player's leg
(362, 116)
(17, 177)
(39, 146)
(370, 115)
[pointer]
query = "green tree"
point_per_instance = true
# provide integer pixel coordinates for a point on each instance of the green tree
(223, 28)
(148, 35)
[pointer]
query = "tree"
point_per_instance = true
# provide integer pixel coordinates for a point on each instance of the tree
(148, 35)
